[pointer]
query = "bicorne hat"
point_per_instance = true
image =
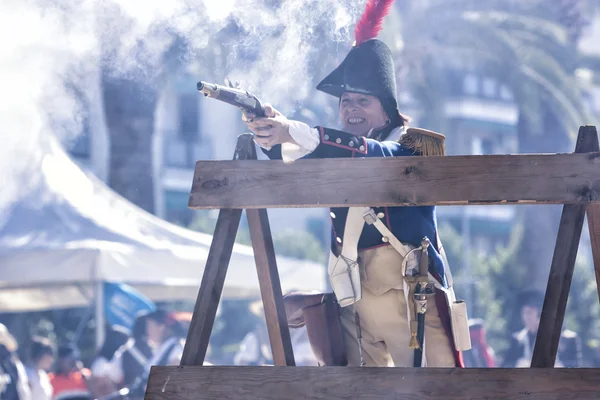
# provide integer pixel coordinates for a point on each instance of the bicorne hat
(369, 69)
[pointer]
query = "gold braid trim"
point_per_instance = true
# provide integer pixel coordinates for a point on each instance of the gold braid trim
(412, 281)
(428, 143)
(414, 343)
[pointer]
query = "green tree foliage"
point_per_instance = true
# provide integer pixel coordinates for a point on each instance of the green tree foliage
(530, 47)
(498, 279)
(299, 244)
(232, 324)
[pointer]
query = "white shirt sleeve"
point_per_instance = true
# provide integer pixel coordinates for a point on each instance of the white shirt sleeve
(176, 354)
(114, 368)
(108, 368)
(307, 138)
(23, 384)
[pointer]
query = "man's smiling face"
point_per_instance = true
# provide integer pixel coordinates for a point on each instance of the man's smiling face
(360, 113)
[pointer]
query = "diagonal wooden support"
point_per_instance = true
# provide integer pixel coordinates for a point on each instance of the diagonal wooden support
(270, 288)
(561, 271)
(268, 279)
(213, 279)
(593, 217)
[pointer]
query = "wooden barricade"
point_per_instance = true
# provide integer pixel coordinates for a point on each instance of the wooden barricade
(246, 183)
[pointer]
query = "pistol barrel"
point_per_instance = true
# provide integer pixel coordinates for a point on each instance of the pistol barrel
(233, 96)
(208, 89)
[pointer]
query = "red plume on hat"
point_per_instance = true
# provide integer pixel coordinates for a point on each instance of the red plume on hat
(371, 21)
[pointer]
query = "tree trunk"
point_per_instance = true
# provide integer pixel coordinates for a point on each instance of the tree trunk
(129, 110)
(540, 221)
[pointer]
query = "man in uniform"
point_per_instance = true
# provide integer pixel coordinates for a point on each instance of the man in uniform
(365, 84)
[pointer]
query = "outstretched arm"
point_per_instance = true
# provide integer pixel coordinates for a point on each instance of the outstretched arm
(279, 137)
(289, 140)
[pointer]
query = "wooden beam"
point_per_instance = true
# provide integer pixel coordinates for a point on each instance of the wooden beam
(270, 287)
(213, 279)
(561, 270)
(326, 383)
(211, 287)
(593, 218)
(559, 283)
(452, 180)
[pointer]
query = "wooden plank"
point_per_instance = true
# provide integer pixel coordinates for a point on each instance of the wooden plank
(211, 287)
(270, 287)
(452, 180)
(561, 270)
(559, 283)
(215, 271)
(365, 383)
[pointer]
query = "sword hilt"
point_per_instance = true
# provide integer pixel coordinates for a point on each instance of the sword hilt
(424, 262)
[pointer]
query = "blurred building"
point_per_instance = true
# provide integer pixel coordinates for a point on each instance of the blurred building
(479, 116)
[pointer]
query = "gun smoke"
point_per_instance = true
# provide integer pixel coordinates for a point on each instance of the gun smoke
(53, 53)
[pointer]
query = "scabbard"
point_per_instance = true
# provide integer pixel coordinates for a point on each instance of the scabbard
(418, 357)
(420, 303)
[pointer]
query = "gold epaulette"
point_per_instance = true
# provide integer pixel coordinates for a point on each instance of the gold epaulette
(428, 143)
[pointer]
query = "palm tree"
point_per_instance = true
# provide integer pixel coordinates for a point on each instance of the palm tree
(130, 95)
(129, 110)
(523, 45)
(130, 100)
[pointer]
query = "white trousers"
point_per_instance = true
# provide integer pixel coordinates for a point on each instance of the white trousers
(384, 319)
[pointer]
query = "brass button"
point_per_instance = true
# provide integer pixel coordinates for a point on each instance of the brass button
(332, 215)
(351, 144)
(362, 148)
(326, 137)
(338, 140)
(380, 215)
(385, 239)
(339, 240)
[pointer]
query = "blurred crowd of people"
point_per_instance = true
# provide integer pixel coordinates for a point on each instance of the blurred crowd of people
(522, 342)
(121, 366)
(255, 348)
(119, 370)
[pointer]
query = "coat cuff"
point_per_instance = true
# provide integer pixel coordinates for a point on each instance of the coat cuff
(307, 139)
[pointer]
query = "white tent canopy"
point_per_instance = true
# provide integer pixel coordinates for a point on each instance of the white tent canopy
(69, 232)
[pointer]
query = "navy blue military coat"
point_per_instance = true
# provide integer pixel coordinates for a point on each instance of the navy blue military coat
(408, 223)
